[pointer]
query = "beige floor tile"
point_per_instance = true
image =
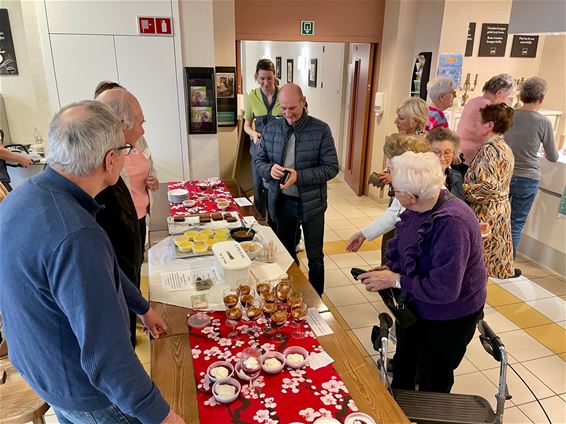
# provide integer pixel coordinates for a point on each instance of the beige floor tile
(357, 316)
(369, 295)
(555, 408)
(498, 322)
(361, 222)
(551, 371)
(523, 315)
(330, 235)
(496, 296)
(143, 347)
(555, 285)
(514, 415)
(344, 295)
(476, 354)
(374, 212)
(371, 256)
(345, 234)
(380, 307)
(334, 247)
(524, 347)
(475, 383)
(347, 260)
(526, 290)
(147, 368)
(532, 270)
(51, 419)
(553, 307)
(517, 388)
(335, 278)
(339, 224)
(562, 324)
(329, 263)
(465, 367)
(364, 336)
(333, 215)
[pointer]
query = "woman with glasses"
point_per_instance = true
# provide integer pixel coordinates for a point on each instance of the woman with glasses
(436, 258)
(486, 185)
(446, 145)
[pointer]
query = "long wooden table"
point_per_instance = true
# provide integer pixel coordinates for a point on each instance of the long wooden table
(172, 366)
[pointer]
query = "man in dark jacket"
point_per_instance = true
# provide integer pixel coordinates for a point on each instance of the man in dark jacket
(296, 158)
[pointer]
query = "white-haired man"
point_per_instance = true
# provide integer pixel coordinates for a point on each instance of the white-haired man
(442, 94)
(63, 296)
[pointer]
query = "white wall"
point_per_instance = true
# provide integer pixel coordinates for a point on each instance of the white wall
(325, 101)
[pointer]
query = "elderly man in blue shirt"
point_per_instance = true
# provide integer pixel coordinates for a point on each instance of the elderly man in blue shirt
(63, 297)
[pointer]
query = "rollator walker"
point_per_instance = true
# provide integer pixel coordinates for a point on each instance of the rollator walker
(429, 407)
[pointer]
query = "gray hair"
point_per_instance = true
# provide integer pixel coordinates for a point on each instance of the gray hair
(438, 87)
(533, 90)
(439, 134)
(499, 82)
(120, 104)
(417, 173)
(416, 110)
(80, 135)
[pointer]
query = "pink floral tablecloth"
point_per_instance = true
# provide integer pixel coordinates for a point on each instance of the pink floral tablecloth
(205, 199)
(301, 396)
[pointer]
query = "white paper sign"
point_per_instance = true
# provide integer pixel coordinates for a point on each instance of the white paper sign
(317, 324)
(242, 201)
(173, 281)
(320, 360)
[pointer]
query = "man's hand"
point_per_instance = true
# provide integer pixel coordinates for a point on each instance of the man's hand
(152, 183)
(24, 161)
(291, 179)
(256, 137)
(277, 171)
(385, 178)
(378, 280)
(173, 418)
(153, 323)
(355, 242)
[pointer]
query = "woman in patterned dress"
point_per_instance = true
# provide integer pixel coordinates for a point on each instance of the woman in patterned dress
(486, 186)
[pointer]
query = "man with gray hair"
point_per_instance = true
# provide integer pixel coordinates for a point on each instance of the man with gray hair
(63, 296)
(442, 94)
(119, 217)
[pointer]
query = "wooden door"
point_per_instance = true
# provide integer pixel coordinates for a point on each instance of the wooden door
(360, 62)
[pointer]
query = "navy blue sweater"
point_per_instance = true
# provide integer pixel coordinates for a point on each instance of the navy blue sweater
(65, 303)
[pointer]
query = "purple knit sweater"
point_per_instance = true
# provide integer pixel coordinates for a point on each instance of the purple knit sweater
(444, 274)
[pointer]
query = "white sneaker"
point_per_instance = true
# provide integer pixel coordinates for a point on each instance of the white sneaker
(300, 247)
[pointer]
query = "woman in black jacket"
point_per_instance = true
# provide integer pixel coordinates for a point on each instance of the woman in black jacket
(445, 144)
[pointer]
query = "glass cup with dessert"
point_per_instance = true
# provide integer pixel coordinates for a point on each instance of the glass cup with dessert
(299, 313)
(250, 364)
(233, 311)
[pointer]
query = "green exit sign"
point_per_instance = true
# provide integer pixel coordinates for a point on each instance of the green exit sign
(307, 27)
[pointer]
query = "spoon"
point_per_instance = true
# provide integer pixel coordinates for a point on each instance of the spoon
(249, 229)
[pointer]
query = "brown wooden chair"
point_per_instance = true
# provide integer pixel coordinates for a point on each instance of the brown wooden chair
(18, 402)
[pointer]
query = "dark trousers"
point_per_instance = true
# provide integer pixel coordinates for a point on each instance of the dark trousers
(430, 351)
(133, 316)
(287, 222)
(260, 192)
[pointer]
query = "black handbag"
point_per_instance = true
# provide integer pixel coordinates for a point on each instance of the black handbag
(396, 299)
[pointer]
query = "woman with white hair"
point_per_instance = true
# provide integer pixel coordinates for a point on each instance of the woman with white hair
(412, 116)
(442, 94)
(530, 129)
(498, 89)
(436, 259)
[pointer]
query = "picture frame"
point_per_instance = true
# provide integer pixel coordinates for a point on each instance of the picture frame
(278, 67)
(289, 70)
(313, 69)
(201, 94)
(226, 101)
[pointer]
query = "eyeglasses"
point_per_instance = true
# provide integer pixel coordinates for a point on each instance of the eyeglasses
(127, 148)
(446, 153)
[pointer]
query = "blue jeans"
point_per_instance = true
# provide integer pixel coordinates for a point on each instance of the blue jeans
(109, 415)
(522, 193)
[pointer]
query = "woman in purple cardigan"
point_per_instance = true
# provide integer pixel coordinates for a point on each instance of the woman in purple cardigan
(436, 258)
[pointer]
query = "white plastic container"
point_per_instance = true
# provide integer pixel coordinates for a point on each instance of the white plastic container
(232, 261)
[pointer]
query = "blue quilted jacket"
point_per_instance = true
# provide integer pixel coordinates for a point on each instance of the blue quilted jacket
(316, 161)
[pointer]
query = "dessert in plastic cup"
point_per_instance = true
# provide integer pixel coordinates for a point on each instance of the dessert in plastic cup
(200, 248)
(180, 239)
(296, 357)
(186, 246)
(190, 234)
(226, 391)
(220, 371)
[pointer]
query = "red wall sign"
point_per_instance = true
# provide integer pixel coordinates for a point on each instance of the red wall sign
(153, 25)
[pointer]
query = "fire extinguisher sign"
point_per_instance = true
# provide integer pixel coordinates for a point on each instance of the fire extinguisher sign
(154, 25)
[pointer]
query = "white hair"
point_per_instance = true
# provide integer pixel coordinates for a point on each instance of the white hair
(417, 173)
(80, 135)
(438, 87)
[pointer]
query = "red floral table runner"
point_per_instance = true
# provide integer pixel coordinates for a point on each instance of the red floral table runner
(291, 396)
(205, 199)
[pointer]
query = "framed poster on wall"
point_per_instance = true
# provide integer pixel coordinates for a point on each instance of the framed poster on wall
(8, 64)
(289, 70)
(312, 72)
(226, 96)
(278, 67)
(201, 94)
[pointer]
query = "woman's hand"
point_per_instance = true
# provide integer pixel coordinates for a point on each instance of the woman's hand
(152, 183)
(256, 137)
(24, 161)
(456, 160)
(355, 242)
(385, 178)
(378, 280)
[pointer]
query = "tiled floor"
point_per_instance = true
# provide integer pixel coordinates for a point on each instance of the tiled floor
(528, 313)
